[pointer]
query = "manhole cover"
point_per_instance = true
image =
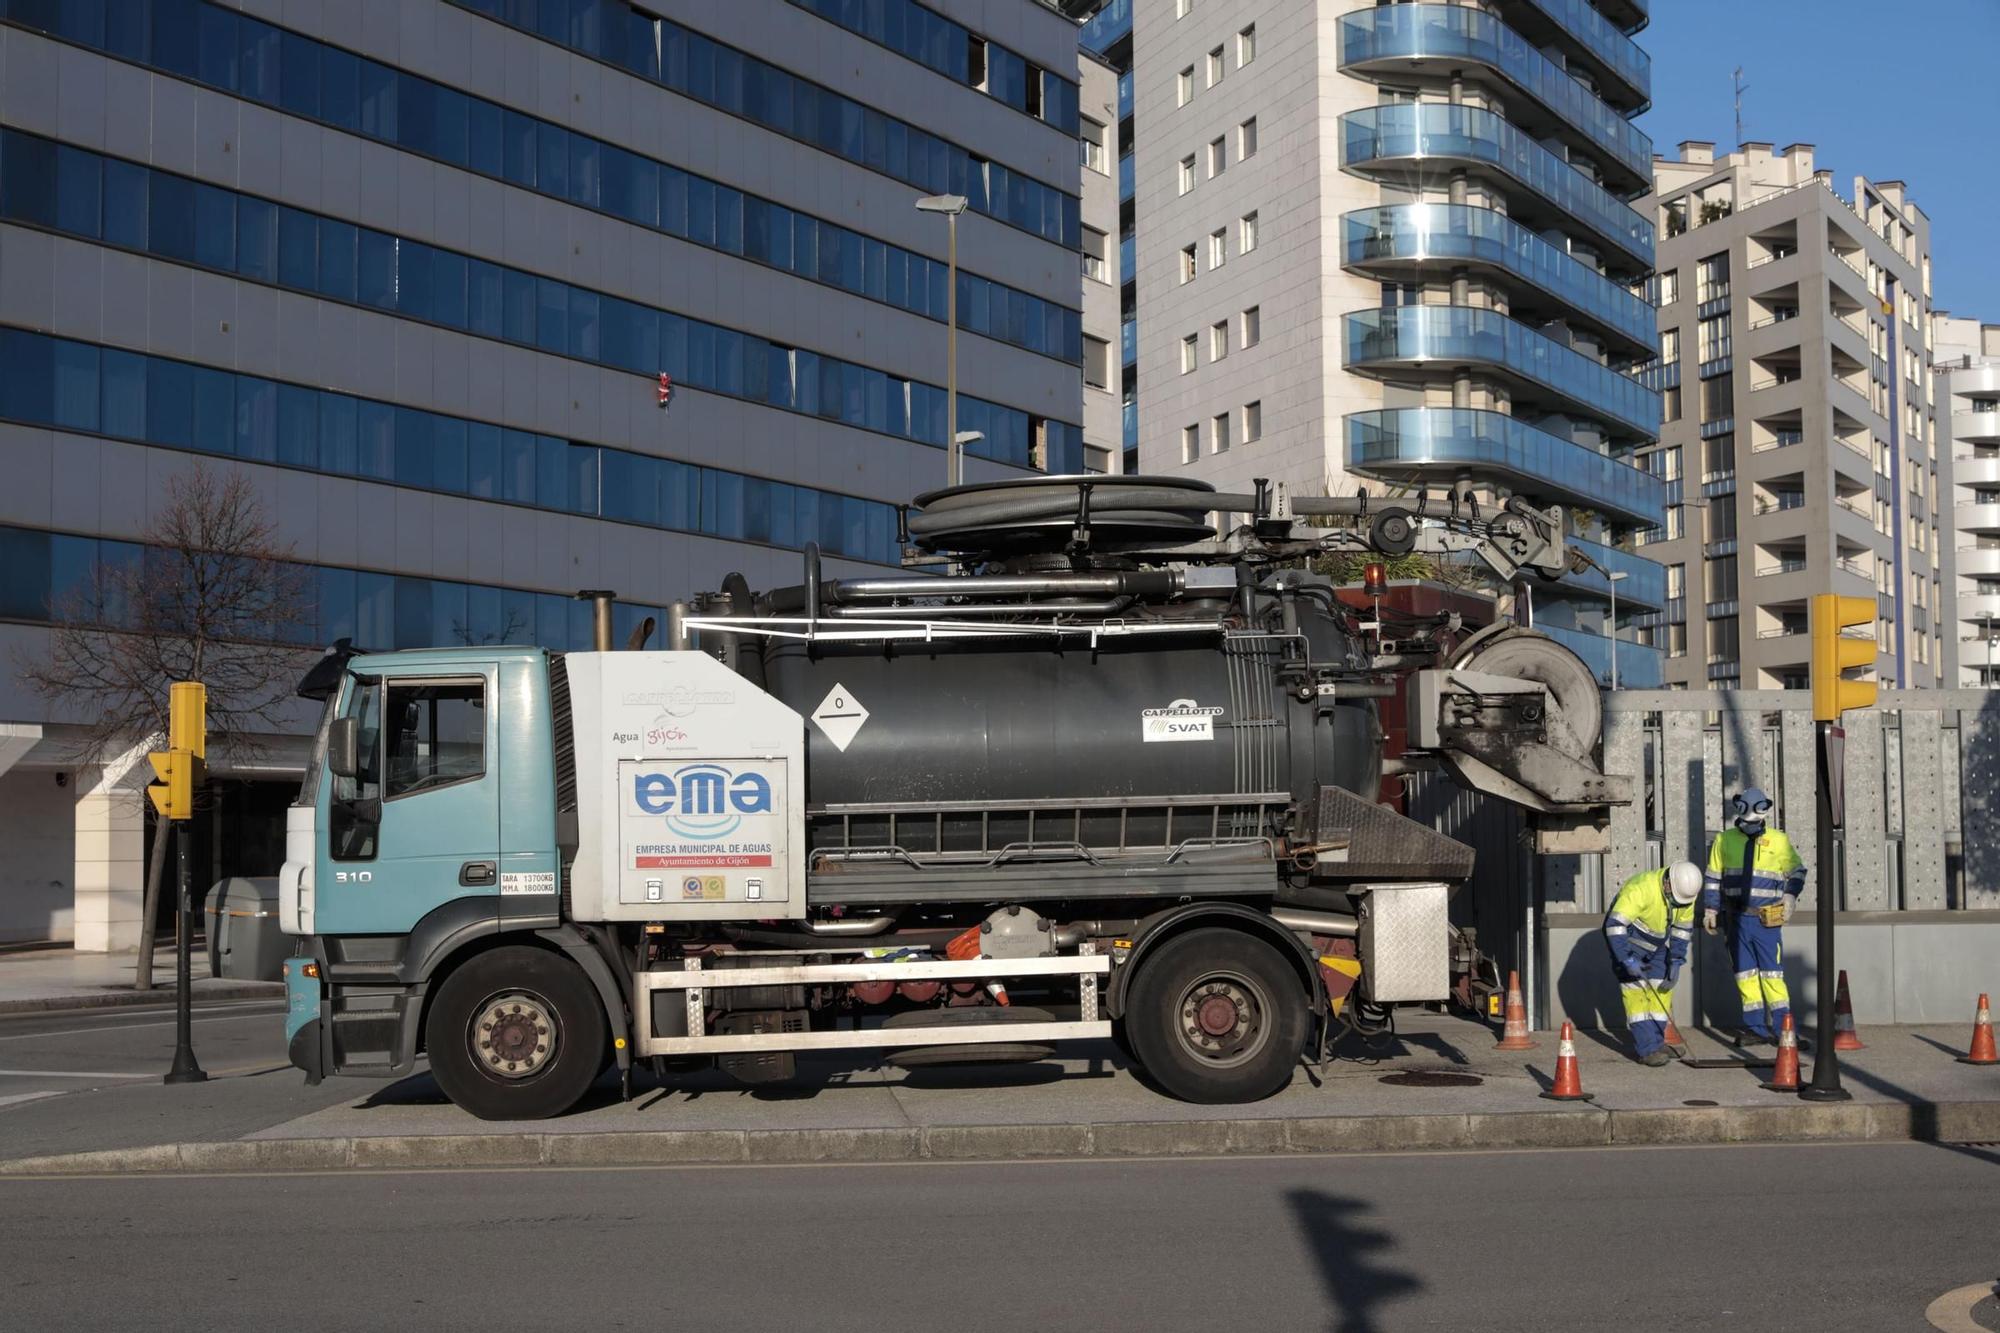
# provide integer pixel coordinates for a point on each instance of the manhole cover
(1420, 1078)
(1697, 1101)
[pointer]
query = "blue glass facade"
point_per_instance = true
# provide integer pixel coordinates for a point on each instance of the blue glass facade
(106, 199)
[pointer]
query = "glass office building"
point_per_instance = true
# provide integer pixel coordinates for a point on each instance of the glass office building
(416, 268)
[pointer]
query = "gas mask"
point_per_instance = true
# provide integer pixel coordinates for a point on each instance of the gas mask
(1751, 808)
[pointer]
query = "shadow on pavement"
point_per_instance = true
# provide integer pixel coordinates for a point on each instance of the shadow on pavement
(1953, 1051)
(1348, 1253)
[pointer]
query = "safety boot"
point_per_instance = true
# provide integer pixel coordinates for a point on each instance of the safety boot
(1657, 1058)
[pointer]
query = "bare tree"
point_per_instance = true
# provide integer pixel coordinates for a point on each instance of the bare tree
(213, 595)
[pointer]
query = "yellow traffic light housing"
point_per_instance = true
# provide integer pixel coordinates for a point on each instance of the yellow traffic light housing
(173, 794)
(182, 766)
(1834, 653)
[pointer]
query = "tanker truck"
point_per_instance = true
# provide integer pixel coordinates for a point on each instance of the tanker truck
(1103, 764)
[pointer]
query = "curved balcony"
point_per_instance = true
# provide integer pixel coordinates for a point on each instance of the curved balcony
(1622, 68)
(1975, 471)
(1640, 667)
(1981, 426)
(1388, 243)
(1414, 143)
(1106, 28)
(1968, 381)
(1977, 562)
(1981, 608)
(1976, 518)
(1436, 445)
(1398, 40)
(1388, 342)
(1644, 586)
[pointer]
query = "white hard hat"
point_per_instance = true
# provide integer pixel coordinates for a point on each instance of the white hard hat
(1683, 882)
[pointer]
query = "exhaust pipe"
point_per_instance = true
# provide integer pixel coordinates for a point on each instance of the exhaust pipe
(1319, 923)
(600, 600)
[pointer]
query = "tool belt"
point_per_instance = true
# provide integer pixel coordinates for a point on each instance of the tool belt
(1772, 914)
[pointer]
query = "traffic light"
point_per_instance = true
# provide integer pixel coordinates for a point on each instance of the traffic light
(1834, 653)
(182, 766)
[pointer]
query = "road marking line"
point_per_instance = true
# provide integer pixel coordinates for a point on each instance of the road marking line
(1952, 1311)
(135, 1027)
(19, 1098)
(138, 1010)
(66, 1073)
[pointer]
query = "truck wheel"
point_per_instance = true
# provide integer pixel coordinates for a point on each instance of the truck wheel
(515, 1034)
(1217, 1016)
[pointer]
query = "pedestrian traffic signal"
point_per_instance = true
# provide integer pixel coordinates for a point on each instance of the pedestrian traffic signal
(187, 718)
(1834, 653)
(181, 767)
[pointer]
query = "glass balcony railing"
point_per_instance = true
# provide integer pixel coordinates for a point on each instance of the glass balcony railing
(1460, 233)
(1129, 422)
(1125, 94)
(1128, 255)
(1639, 667)
(1376, 139)
(1644, 584)
(1415, 335)
(1398, 35)
(1126, 178)
(1435, 445)
(1107, 27)
(1128, 341)
(1602, 39)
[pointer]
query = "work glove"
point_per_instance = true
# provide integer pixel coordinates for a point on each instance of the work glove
(1708, 920)
(1791, 906)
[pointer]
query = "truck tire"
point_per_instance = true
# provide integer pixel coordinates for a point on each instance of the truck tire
(517, 1033)
(1217, 1016)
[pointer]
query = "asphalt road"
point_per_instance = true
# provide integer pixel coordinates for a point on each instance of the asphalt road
(90, 1078)
(1755, 1238)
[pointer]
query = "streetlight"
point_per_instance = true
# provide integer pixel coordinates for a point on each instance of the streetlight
(951, 205)
(1616, 576)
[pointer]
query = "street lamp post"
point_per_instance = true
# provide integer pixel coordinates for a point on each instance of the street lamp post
(951, 205)
(1616, 577)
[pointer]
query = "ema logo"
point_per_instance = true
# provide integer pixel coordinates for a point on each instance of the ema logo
(702, 801)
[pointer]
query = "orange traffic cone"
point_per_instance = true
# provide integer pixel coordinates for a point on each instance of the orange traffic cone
(1674, 1038)
(1982, 1052)
(1786, 1079)
(1845, 1038)
(1515, 1036)
(1569, 1083)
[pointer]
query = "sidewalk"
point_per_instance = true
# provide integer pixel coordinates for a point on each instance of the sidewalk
(1437, 1085)
(40, 980)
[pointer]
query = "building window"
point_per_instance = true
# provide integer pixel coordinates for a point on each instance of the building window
(1182, 8)
(1712, 279)
(1718, 398)
(1218, 157)
(1096, 255)
(1246, 46)
(1190, 443)
(1215, 67)
(1187, 263)
(1712, 338)
(1188, 351)
(1246, 139)
(1218, 340)
(1184, 88)
(1670, 404)
(1676, 582)
(1670, 286)
(1253, 422)
(1187, 173)
(1218, 434)
(1246, 234)
(1677, 640)
(1670, 346)
(1218, 247)
(1250, 327)
(1096, 362)
(1094, 155)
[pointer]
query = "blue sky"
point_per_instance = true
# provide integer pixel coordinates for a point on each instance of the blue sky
(1883, 99)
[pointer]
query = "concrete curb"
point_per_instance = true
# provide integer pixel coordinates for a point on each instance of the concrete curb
(116, 999)
(1577, 1127)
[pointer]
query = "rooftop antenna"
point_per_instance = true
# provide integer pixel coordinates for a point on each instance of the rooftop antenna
(1741, 88)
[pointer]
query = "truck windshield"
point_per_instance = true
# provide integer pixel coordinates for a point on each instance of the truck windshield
(316, 761)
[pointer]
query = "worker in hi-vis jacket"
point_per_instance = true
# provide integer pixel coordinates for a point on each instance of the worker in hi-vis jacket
(1649, 928)
(1753, 884)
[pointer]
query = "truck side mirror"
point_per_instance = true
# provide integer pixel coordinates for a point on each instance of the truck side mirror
(343, 747)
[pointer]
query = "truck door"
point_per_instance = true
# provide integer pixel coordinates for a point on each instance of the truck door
(418, 822)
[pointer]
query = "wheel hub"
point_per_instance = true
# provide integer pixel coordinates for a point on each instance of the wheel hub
(1221, 1019)
(513, 1036)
